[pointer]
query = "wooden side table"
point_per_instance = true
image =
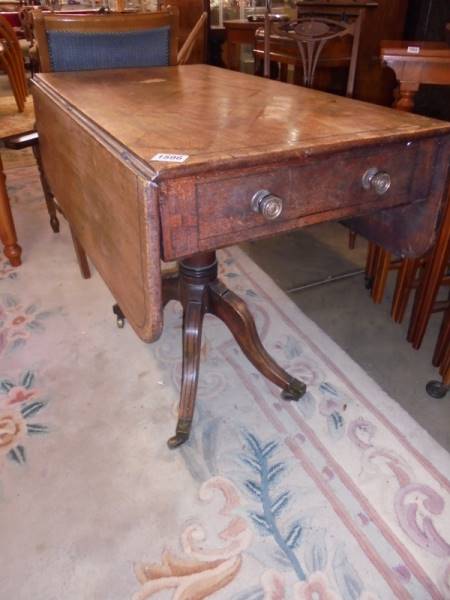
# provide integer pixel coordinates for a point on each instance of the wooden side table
(414, 64)
(238, 32)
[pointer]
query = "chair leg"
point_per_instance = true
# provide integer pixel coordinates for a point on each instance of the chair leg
(403, 288)
(81, 256)
(351, 239)
(430, 283)
(443, 342)
(371, 262)
(8, 236)
(49, 198)
(381, 272)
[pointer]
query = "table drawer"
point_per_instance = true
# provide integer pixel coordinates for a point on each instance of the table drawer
(329, 188)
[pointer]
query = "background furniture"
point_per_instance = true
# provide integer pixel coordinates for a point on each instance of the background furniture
(441, 359)
(414, 64)
(11, 123)
(310, 43)
(238, 32)
(11, 61)
(381, 19)
(190, 11)
(190, 190)
(80, 55)
(110, 40)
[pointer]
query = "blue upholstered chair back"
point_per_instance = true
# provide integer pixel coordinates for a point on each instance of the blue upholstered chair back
(85, 51)
(94, 41)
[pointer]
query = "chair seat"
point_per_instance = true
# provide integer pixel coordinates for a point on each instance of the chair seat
(13, 122)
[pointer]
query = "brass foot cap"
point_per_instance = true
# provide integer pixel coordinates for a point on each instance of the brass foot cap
(181, 435)
(295, 390)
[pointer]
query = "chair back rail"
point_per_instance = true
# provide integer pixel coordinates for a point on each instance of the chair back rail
(186, 49)
(311, 34)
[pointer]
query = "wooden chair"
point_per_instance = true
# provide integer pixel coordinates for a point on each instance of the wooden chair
(194, 36)
(11, 61)
(309, 36)
(67, 42)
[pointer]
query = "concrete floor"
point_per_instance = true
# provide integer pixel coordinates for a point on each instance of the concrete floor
(345, 311)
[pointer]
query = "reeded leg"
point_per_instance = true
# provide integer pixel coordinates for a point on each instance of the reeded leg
(8, 235)
(197, 288)
(194, 311)
(234, 312)
(49, 198)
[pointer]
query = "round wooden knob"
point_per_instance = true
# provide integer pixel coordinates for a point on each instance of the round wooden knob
(378, 181)
(267, 204)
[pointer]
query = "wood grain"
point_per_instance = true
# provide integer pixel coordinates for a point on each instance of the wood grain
(223, 119)
(112, 211)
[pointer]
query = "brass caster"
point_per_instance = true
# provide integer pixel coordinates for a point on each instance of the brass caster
(436, 389)
(368, 282)
(295, 390)
(181, 434)
(120, 317)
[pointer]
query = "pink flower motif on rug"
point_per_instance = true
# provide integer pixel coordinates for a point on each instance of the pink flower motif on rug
(316, 588)
(19, 403)
(18, 322)
(7, 271)
(207, 567)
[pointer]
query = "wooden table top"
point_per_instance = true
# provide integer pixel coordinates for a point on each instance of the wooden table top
(220, 118)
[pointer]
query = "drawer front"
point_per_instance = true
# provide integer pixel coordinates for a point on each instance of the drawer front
(330, 188)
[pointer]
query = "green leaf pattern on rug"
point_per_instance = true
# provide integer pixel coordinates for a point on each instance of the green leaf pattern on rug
(20, 403)
(272, 505)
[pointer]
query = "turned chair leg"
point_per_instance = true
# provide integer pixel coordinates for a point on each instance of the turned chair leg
(403, 287)
(381, 272)
(352, 239)
(49, 198)
(371, 261)
(429, 286)
(8, 235)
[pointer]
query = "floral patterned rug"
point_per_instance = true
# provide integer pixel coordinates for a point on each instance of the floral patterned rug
(341, 495)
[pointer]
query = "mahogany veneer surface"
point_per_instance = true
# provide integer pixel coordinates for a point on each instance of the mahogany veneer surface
(100, 131)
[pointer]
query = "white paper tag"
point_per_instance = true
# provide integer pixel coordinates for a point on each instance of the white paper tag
(413, 50)
(154, 80)
(177, 158)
